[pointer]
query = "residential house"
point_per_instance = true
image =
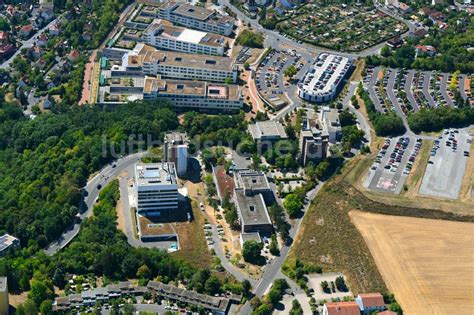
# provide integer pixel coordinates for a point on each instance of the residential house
(404, 8)
(73, 55)
(11, 11)
(426, 50)
(395, 42)
(442, 25)
(6, 48)
(341, 308)
(370, 302)
(25, 31)
(87, 35)
(54, 29)
(42, 40)
(35, 52)
(41, 64)
(420, 33)
(7, 243)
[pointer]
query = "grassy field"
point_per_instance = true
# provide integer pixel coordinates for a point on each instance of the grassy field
(329, 238)
(423, 262)
(192, 241)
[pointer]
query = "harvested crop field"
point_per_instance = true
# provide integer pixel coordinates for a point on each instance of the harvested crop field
(428, 264)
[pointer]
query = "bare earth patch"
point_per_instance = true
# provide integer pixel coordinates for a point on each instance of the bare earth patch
(426, 263)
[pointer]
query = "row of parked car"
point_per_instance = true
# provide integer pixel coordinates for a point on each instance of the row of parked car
(397, 154)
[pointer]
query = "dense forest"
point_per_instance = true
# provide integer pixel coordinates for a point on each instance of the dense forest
(441, 117)
(45, 161)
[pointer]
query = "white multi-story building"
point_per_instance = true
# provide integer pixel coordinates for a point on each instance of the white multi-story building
(194, 95)
(185, 40)
(191, 16)
(331, 124)
(156, 188)
(176, 150)
(147, 60)
(324, 79)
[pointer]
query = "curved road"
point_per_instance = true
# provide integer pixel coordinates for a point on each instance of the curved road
(105, 176)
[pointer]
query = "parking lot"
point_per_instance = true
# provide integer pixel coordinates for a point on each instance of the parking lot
(446, 166)
(402, 91)
(270, 75)
(393, 164)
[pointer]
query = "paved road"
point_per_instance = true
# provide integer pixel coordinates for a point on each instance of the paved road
(233, 270)
(105, 176)
(272, 271)
(346, 103)
(393, 99)
(26, 44)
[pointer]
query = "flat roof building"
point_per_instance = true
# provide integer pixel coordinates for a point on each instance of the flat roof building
(214, 304)
(255, 182)
(156, 188)
(331, 124)
(268, 130)
(176, 150)
(314, 138)
(175, 38)
(7, 243)
(324, 79)
(253, 236)
(253, 212)
(150, 231)
(195, 95)
(4, 303)
(191, 16)
(147, 60)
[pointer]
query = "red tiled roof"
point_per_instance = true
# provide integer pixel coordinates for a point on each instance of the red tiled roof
(225, 183)
(73, 54)
(425, 48)
(387, 313)
(343, 308)
(27, 28)
(372, 299)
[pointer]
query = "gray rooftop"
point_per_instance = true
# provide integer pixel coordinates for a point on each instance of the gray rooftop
(176, 137)
(267, 129)
(155, 174)
(254, 236)
(253, 180)
(193, 12)
(252, 209)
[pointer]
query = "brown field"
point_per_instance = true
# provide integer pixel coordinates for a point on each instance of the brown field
(428, 264)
